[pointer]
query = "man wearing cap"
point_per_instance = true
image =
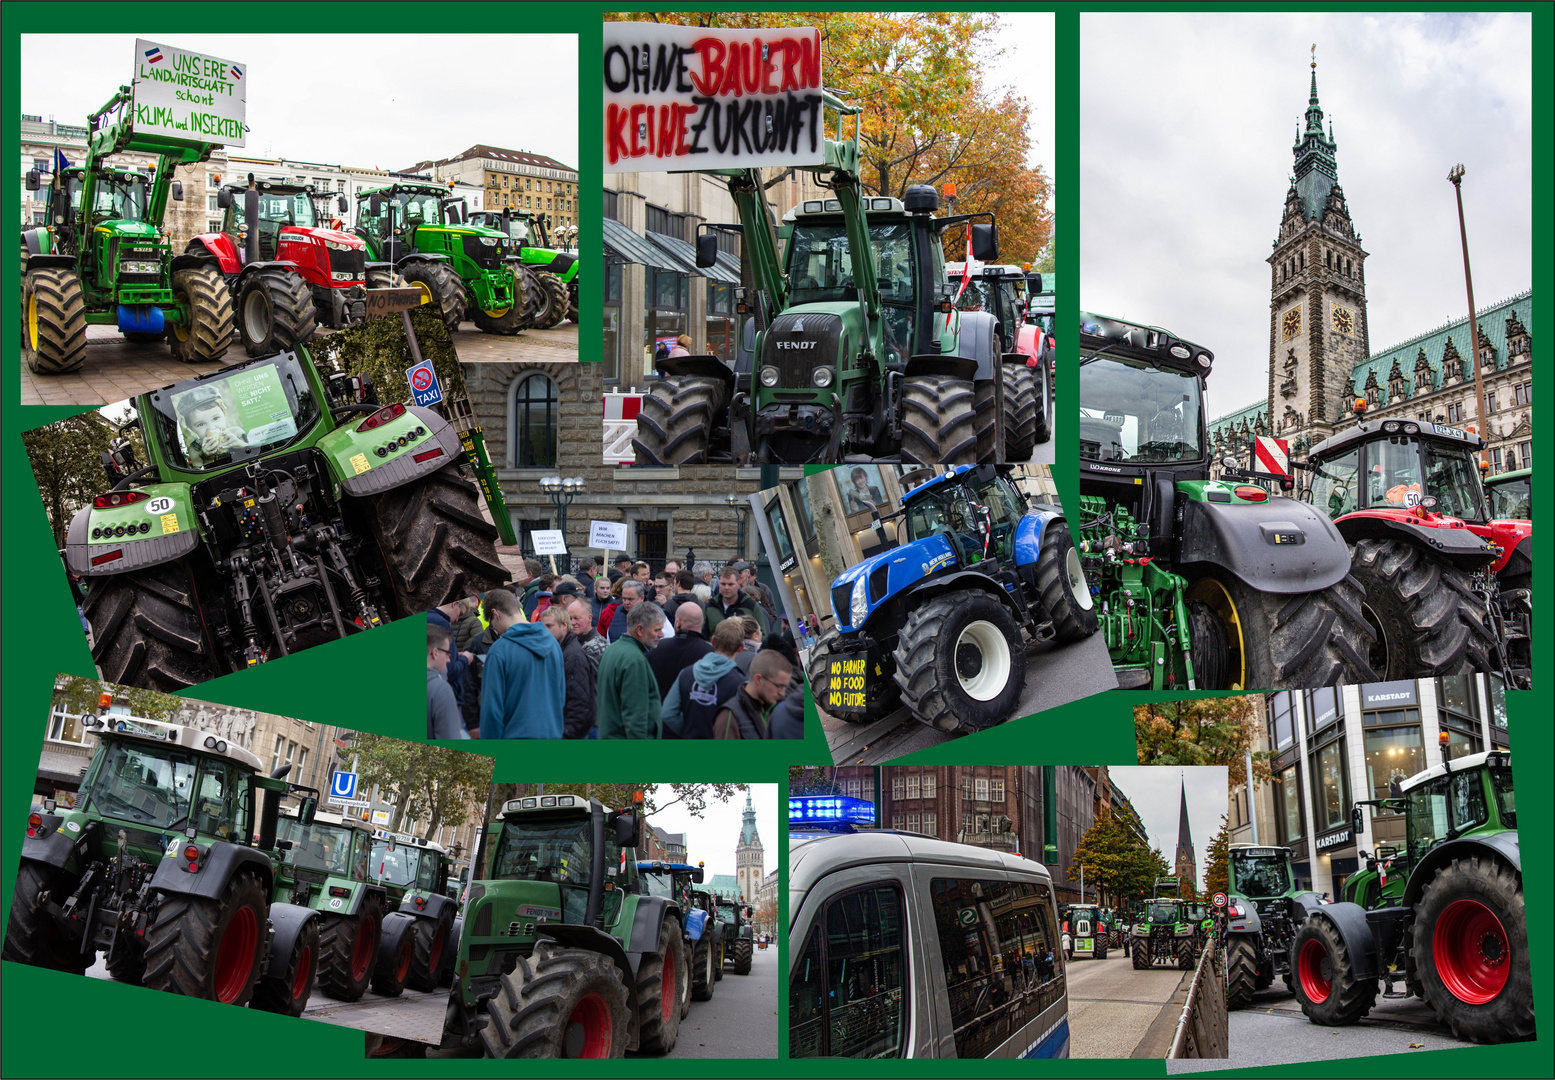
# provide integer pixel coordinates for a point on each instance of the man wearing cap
(623, 567)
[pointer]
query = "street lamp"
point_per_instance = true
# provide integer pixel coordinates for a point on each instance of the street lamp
(742, 511)
(1455, 177)
(562, 492)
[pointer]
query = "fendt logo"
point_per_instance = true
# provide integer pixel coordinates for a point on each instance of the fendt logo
(795, 344)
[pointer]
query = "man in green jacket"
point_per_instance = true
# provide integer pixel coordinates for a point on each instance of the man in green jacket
(628, 701)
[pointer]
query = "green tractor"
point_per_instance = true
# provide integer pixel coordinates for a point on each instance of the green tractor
(164, 865)
(851, 345)
(1263, 911)
(554, 273)
(1511, 495)
(1165, 931)
(323, 865)
(277, 511)
(1455, 934)
(738, 935)
(561, 953)
(1088, 931)
(1201, 584)
(419, 926)
(465, 270)
(105, 258)
(701, 933)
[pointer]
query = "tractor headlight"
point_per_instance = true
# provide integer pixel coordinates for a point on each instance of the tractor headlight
(823, 377)
(858, 606)
(489, 241)
(136, 266)
(769, 376)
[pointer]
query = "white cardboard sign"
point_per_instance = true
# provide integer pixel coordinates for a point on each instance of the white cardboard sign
(689, 97)
(607, 535)
(187, 95)
(548, 541)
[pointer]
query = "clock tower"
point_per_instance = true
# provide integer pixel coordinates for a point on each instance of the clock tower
(1317, 306)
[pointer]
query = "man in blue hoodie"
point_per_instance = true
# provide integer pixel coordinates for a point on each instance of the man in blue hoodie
(523, 685)
(693, 702)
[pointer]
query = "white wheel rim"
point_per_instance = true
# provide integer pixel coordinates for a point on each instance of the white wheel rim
(1076, 576)
(994, 672)
(256, 316)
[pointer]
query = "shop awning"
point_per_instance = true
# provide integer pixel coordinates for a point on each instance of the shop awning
(686, 255)
(634, 249)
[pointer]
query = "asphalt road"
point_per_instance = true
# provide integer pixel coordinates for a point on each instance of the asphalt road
(1272, 1030)
(1117, 1012)
(558, 345)
(1055, 675)
(740, 1021)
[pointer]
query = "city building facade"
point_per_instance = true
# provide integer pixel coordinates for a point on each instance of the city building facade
(518, 180)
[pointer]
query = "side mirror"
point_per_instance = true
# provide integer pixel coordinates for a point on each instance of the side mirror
(1357, 818)
(1033, 284)
(985, 242)
(696, 875)
(309, 810)
(342, 204)
(627, 830)
(34, 181)
(707, 249)
(375, 205)
(464, 875)
(124, 457)
(178, 191)
(224, 198)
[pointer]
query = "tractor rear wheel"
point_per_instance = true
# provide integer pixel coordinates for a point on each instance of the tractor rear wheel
(287, 991)
(384, 277)
(662, 981)
(1020, 412)
(677, 419)
(127, 966)
(1303, 639)
(392, 970)
(1061, 584)
(702, 977)
(1471, 951)
(1241, 970)
(1141, 955)
(436, 544)
(1212, 660)
(558, 1003)
(718, 963)
(204, 293)
(572, 301)
(31, 934)
(940, 421)
(348, 946)
(742, 956)
(53, 321)
(961, 662)
(428, 950)
(443, 288)
(987, 422)
(275, 312)
(1324, 977)
(553, 300)
(147, 630)
(206, 948)
(1043, 406)
(1185, 957)
(1427, 618)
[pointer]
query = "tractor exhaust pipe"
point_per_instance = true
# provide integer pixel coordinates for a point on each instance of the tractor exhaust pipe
(251, 219)
(596, 901)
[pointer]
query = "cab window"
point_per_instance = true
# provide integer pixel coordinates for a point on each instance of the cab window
(218, 802)
(1467, 794)
(1333, 484)
(847, 995)
(1451, 477)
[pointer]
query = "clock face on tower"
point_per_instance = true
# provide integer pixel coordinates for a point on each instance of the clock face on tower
(1290, 325)
(1344, 320)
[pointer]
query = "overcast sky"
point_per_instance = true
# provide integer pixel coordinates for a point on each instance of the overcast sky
(1156, 791)
(341, 99)
(1186, 126)
(1027, 68)
(711, 838)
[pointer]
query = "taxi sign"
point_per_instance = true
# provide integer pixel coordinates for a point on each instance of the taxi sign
(424, 386)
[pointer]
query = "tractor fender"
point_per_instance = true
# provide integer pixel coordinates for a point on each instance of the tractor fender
(222, 860)
(415, 257)
(696, 923)
(1350, 922)
(1253, 542)
(153, 548)
(1029, 531)
(451, 946)
(592, 939)
(288, 921)
(1503, 847)
(707, 366)
(967, 579)
(396, 924)
(250, 269)
(646, 921)
(978, 339)
(341, 446)
(44, 262)
(1515, 538)
(436, 905)
(1250, 923)
(1303, 904)
(55, 848)
(38, 248)
(1458, 546)
(195, 257)
(218, 246)
(957, 367)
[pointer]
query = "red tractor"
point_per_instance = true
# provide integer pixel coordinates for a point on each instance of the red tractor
(1447, 586)
(292, 272)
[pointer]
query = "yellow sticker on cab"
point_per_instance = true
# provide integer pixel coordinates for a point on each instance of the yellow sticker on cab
(359, 463)
(169, 524)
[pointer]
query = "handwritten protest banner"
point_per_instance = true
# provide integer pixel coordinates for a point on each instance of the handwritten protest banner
(189, 96)
(687, 97)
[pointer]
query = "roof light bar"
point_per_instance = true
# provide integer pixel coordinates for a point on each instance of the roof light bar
(830, 810)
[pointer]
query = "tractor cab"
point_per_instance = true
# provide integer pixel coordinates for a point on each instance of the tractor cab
(406, 218)
(1142, 397)
(1511, 495)
(295, 212)
(1088, 931)
(1399, 466)
(977, 508)
(1469, 797)
(558, 858)
(407, 864)
(997, 289)
(332, 844)
(668, 879)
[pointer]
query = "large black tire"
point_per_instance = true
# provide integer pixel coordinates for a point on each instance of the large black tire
(1020, 412)
(436, 544)
(534, 292)
(127, 966)
(677, 419)
(444, 287)
(348, 948)
(1241, 970)
(703, 978)
(1471, 951)
(1185, 957)
(1427, 618)
(1290, 640)
(572, 301)
(553, 300)
(428, 952)
(1100, 952)
(939, 421)
(742, 956)
(209, 949)
(961, 662)
(287, 991)
(212, 315)
(392, 971)
(147, 630)
(1042, 414)
(31, 935)
(384, 277)
(558, 1003)
(1212, 660)
(985, 423)
(1140, 955)
(511, 319)
(661, 984)
(53, 321)
(723, 956)
(275, 312)
(1324, 976)
(1061, 585)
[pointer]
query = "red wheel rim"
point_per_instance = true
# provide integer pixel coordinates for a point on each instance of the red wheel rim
(437, 949)
(304, 970)
(669, 1000)
(404, 965)
(235, 957)
(366, 945)
(1471, 951)
(1314, 984)
(590, 1026)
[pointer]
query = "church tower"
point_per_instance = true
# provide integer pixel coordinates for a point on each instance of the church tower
(750, 865)
(1317, 307)
(1185, 866)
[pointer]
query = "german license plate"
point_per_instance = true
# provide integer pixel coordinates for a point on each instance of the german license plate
(845, 684)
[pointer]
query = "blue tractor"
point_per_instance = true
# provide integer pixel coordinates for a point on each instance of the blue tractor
(939, 623)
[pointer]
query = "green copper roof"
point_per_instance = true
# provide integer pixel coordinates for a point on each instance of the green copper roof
(1432, 346)
(1234, 428)
(1316, 170)
(724, 885)
(748, 830)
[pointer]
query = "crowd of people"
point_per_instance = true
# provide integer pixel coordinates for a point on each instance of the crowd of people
(615, 653)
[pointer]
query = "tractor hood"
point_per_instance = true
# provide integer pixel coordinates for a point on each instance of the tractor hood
(887, 574)
(127, 229)
(329, 236)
